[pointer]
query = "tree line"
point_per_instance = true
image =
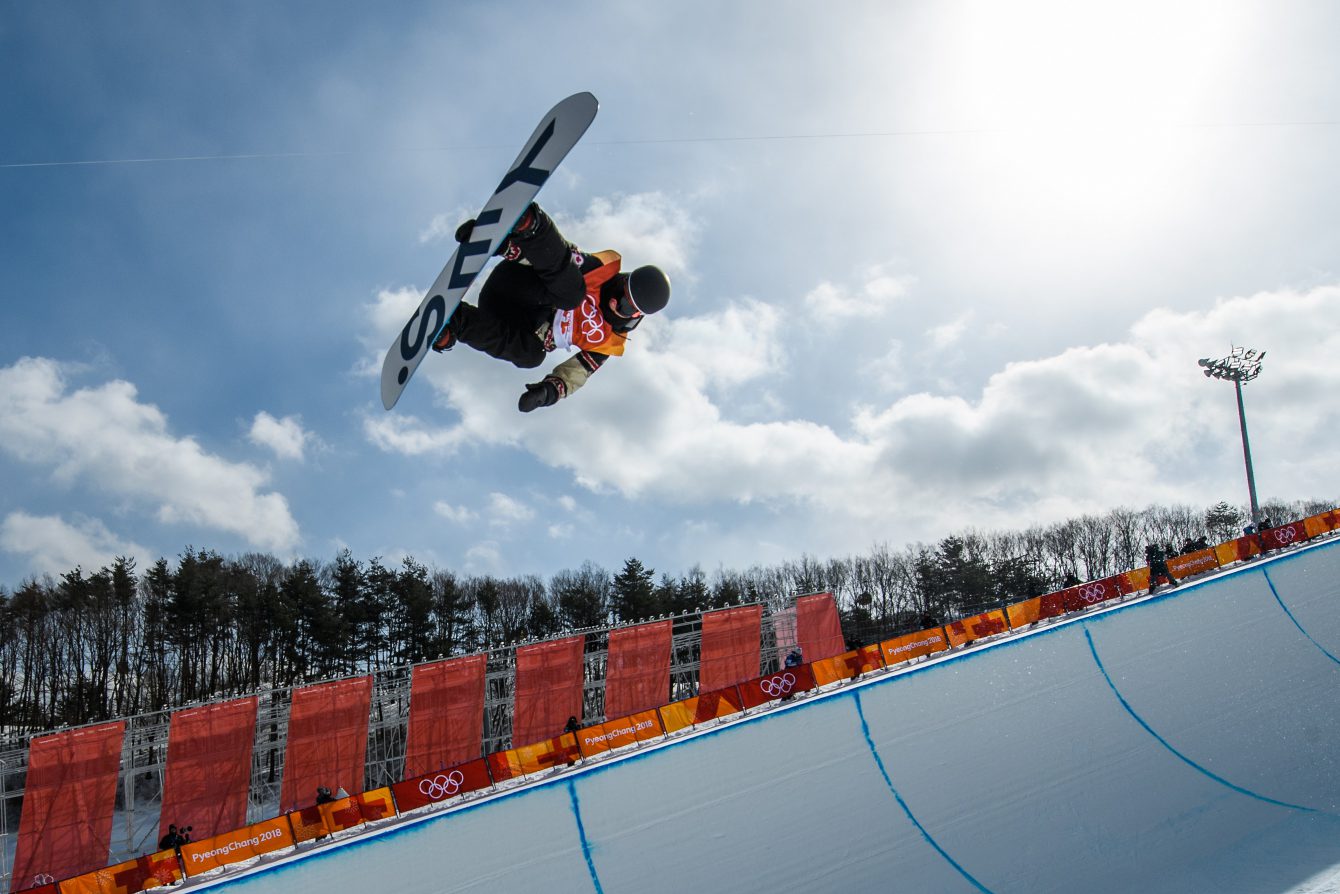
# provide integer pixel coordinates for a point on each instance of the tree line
(121, 641)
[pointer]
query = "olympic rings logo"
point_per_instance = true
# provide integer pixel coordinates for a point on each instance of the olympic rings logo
(443, 785)
(1284, 535)
(591, 322)
(43, 878)
(1092, 593)
(776, 687)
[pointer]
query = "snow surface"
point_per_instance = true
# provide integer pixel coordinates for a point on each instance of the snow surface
(1184, 742)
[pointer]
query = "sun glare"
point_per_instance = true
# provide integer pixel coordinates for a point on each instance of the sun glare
(1085, 107)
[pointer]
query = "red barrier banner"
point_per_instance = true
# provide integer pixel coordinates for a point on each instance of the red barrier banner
(327, 740)
(1284, 535)
(1090, 594)
(730, 649)
(65, 828)
(977, 627)
(637, 676)
(150, 871)
(208, 768)
(1198, 562)
(618, 733)
(446, 714)
(1238, 550)
(700, 709)
(818, 628)
(548, 688)
(780, 685)
(434, 788)
(238, 845)
(913, 645)
(503, 765)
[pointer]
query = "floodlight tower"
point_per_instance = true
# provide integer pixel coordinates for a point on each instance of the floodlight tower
(1241, 365)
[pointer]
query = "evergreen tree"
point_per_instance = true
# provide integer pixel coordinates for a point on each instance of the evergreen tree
(634, 594)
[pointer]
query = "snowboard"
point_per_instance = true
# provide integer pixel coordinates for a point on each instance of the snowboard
(557, 133)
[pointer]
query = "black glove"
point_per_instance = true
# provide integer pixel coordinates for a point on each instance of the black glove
(544, 393)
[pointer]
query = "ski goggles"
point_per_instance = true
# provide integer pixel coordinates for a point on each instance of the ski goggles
(622, 303)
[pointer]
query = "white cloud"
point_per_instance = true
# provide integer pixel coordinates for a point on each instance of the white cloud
(876, 293)
(504, 510)
(54, 546)
(1125, 423)
(734, 345)
(948, 334)
(442, 228)
(456, 514)
(645, 228)
(104, 438)
(285, 437)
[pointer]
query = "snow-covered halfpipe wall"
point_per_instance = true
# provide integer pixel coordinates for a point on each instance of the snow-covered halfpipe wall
(1189, 741)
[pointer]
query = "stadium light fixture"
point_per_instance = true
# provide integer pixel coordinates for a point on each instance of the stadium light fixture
(1241, 365)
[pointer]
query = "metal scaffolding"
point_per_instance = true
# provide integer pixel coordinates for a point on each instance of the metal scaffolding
(144, 750)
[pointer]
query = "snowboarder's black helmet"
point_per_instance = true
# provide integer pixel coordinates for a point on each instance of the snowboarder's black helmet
(649, 289)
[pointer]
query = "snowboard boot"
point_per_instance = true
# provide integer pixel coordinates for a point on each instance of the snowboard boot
(525, 228)
(446, 341)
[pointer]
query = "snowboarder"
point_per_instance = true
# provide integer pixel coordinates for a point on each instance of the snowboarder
(548, 294)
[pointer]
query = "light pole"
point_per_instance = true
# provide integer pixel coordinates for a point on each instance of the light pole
(1241, 365)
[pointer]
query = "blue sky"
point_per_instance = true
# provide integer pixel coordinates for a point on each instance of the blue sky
(936, 266)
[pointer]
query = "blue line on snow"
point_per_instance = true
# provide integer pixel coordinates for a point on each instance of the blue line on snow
(879, 762)
(1164, 742)
(1270, 583)
(581, 834)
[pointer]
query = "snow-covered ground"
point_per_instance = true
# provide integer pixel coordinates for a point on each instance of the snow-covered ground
(1185, 742)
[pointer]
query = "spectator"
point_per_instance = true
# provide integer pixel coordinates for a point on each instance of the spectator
(573, 725)
(1157, 558)
(323, 795)
(794, 658)
(171, 839)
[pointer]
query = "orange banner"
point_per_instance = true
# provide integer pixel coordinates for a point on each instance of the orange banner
(236, 846)
(1139, 579)
(913, 645)
(375, 805)
(150, 871)
(1234, 551)
(847, 665)
(534, 758)
(977, 627)
(623, 731)
(700, 709)
(1021, 614)
(320, 820)
(1319, 524)
(1193, 563)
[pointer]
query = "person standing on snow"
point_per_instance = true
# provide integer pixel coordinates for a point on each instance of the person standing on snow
(547, 294)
